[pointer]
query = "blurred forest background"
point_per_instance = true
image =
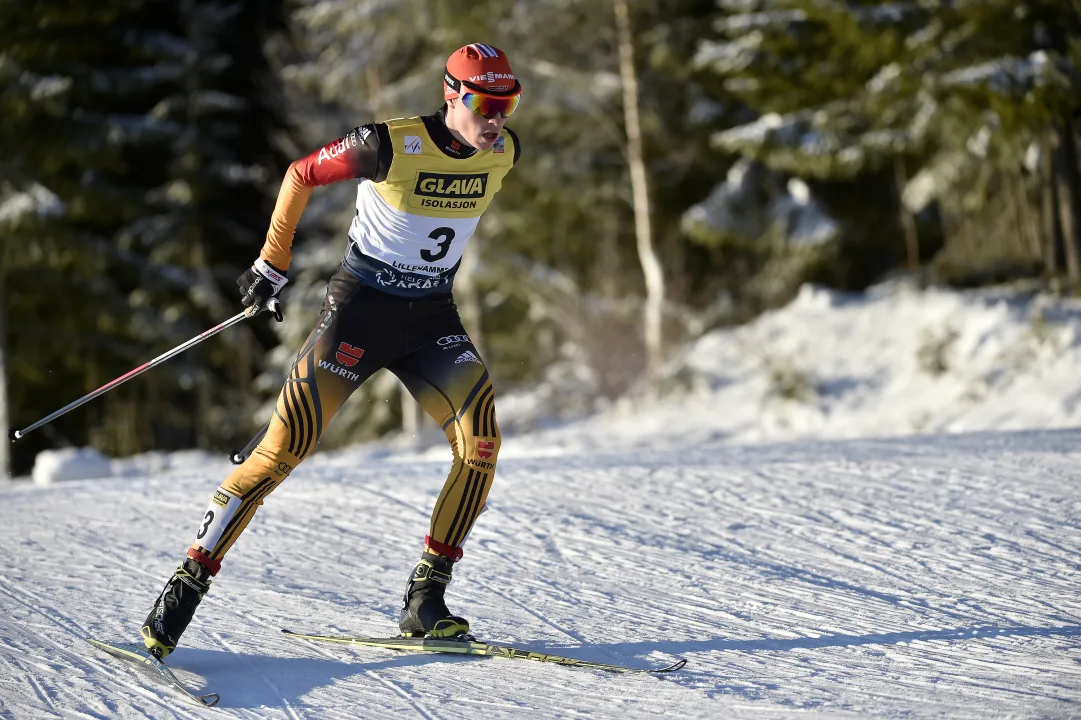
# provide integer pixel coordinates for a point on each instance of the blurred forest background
(687, 164)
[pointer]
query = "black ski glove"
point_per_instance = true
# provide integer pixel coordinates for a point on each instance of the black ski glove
(258, 284)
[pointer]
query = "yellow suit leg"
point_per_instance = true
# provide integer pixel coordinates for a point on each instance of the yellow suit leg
(308, 401)
(459, 396)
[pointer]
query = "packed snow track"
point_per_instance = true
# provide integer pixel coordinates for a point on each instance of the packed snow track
(908, 577)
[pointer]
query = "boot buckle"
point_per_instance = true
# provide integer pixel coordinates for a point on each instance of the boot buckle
(426, 571)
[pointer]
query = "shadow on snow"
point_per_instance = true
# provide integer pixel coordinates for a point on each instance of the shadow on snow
(269, 680)
(680, 647)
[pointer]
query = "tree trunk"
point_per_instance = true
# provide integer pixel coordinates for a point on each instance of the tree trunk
(1016, 213)
(651, 266)
(1030, 228)
(1068, 186)
(606, 268)
(1052, 254)
(908, 223)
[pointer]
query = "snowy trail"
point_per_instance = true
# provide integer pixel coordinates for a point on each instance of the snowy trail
(910, 577)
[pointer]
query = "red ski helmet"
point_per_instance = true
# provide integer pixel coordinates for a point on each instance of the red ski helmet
(479, 68)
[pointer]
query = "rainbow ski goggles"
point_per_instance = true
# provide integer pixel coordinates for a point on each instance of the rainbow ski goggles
(488, 106)
(485, 103)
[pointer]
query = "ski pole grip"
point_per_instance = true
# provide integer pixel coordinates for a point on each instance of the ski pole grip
(14, 434)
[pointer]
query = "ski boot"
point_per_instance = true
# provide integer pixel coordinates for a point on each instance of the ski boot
(174, 608)
(424, 613)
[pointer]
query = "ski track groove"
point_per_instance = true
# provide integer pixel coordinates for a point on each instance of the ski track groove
(228, 646)
(413, 702)
(39, 690)
(320, 649)
(228, 606)
(540, 616)
(87, 662)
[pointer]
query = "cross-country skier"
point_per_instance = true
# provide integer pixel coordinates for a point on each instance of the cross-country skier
(423, 184)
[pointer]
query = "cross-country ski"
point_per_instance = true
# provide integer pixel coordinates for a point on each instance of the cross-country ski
(470, 646)
(137, 654)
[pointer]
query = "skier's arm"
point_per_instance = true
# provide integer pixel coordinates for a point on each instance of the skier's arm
(364, 153)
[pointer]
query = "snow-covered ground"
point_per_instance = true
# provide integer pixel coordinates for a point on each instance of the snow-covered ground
(892, 361)
(806, 556)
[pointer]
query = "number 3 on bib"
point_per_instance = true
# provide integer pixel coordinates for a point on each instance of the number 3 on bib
(444, 245)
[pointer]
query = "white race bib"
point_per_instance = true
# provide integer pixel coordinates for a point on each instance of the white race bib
(216, 518)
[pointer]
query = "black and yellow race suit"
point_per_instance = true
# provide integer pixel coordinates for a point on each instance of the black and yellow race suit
(419, 197)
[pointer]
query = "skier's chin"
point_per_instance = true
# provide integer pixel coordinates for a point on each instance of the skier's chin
(486, 140)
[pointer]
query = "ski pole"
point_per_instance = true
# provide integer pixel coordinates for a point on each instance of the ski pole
(271, 305)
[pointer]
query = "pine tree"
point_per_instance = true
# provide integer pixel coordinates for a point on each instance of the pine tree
(63, 291)
(131, 160)
(960, 92)
(212, 194)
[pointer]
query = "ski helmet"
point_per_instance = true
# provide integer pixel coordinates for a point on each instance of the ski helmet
(480, 68)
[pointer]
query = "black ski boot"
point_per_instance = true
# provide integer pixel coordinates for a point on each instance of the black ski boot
(424, 613)
(175, 607)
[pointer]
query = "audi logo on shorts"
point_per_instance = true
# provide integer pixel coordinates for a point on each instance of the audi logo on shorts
(452, 340)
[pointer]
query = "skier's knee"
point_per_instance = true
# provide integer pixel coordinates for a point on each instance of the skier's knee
(482, 451)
